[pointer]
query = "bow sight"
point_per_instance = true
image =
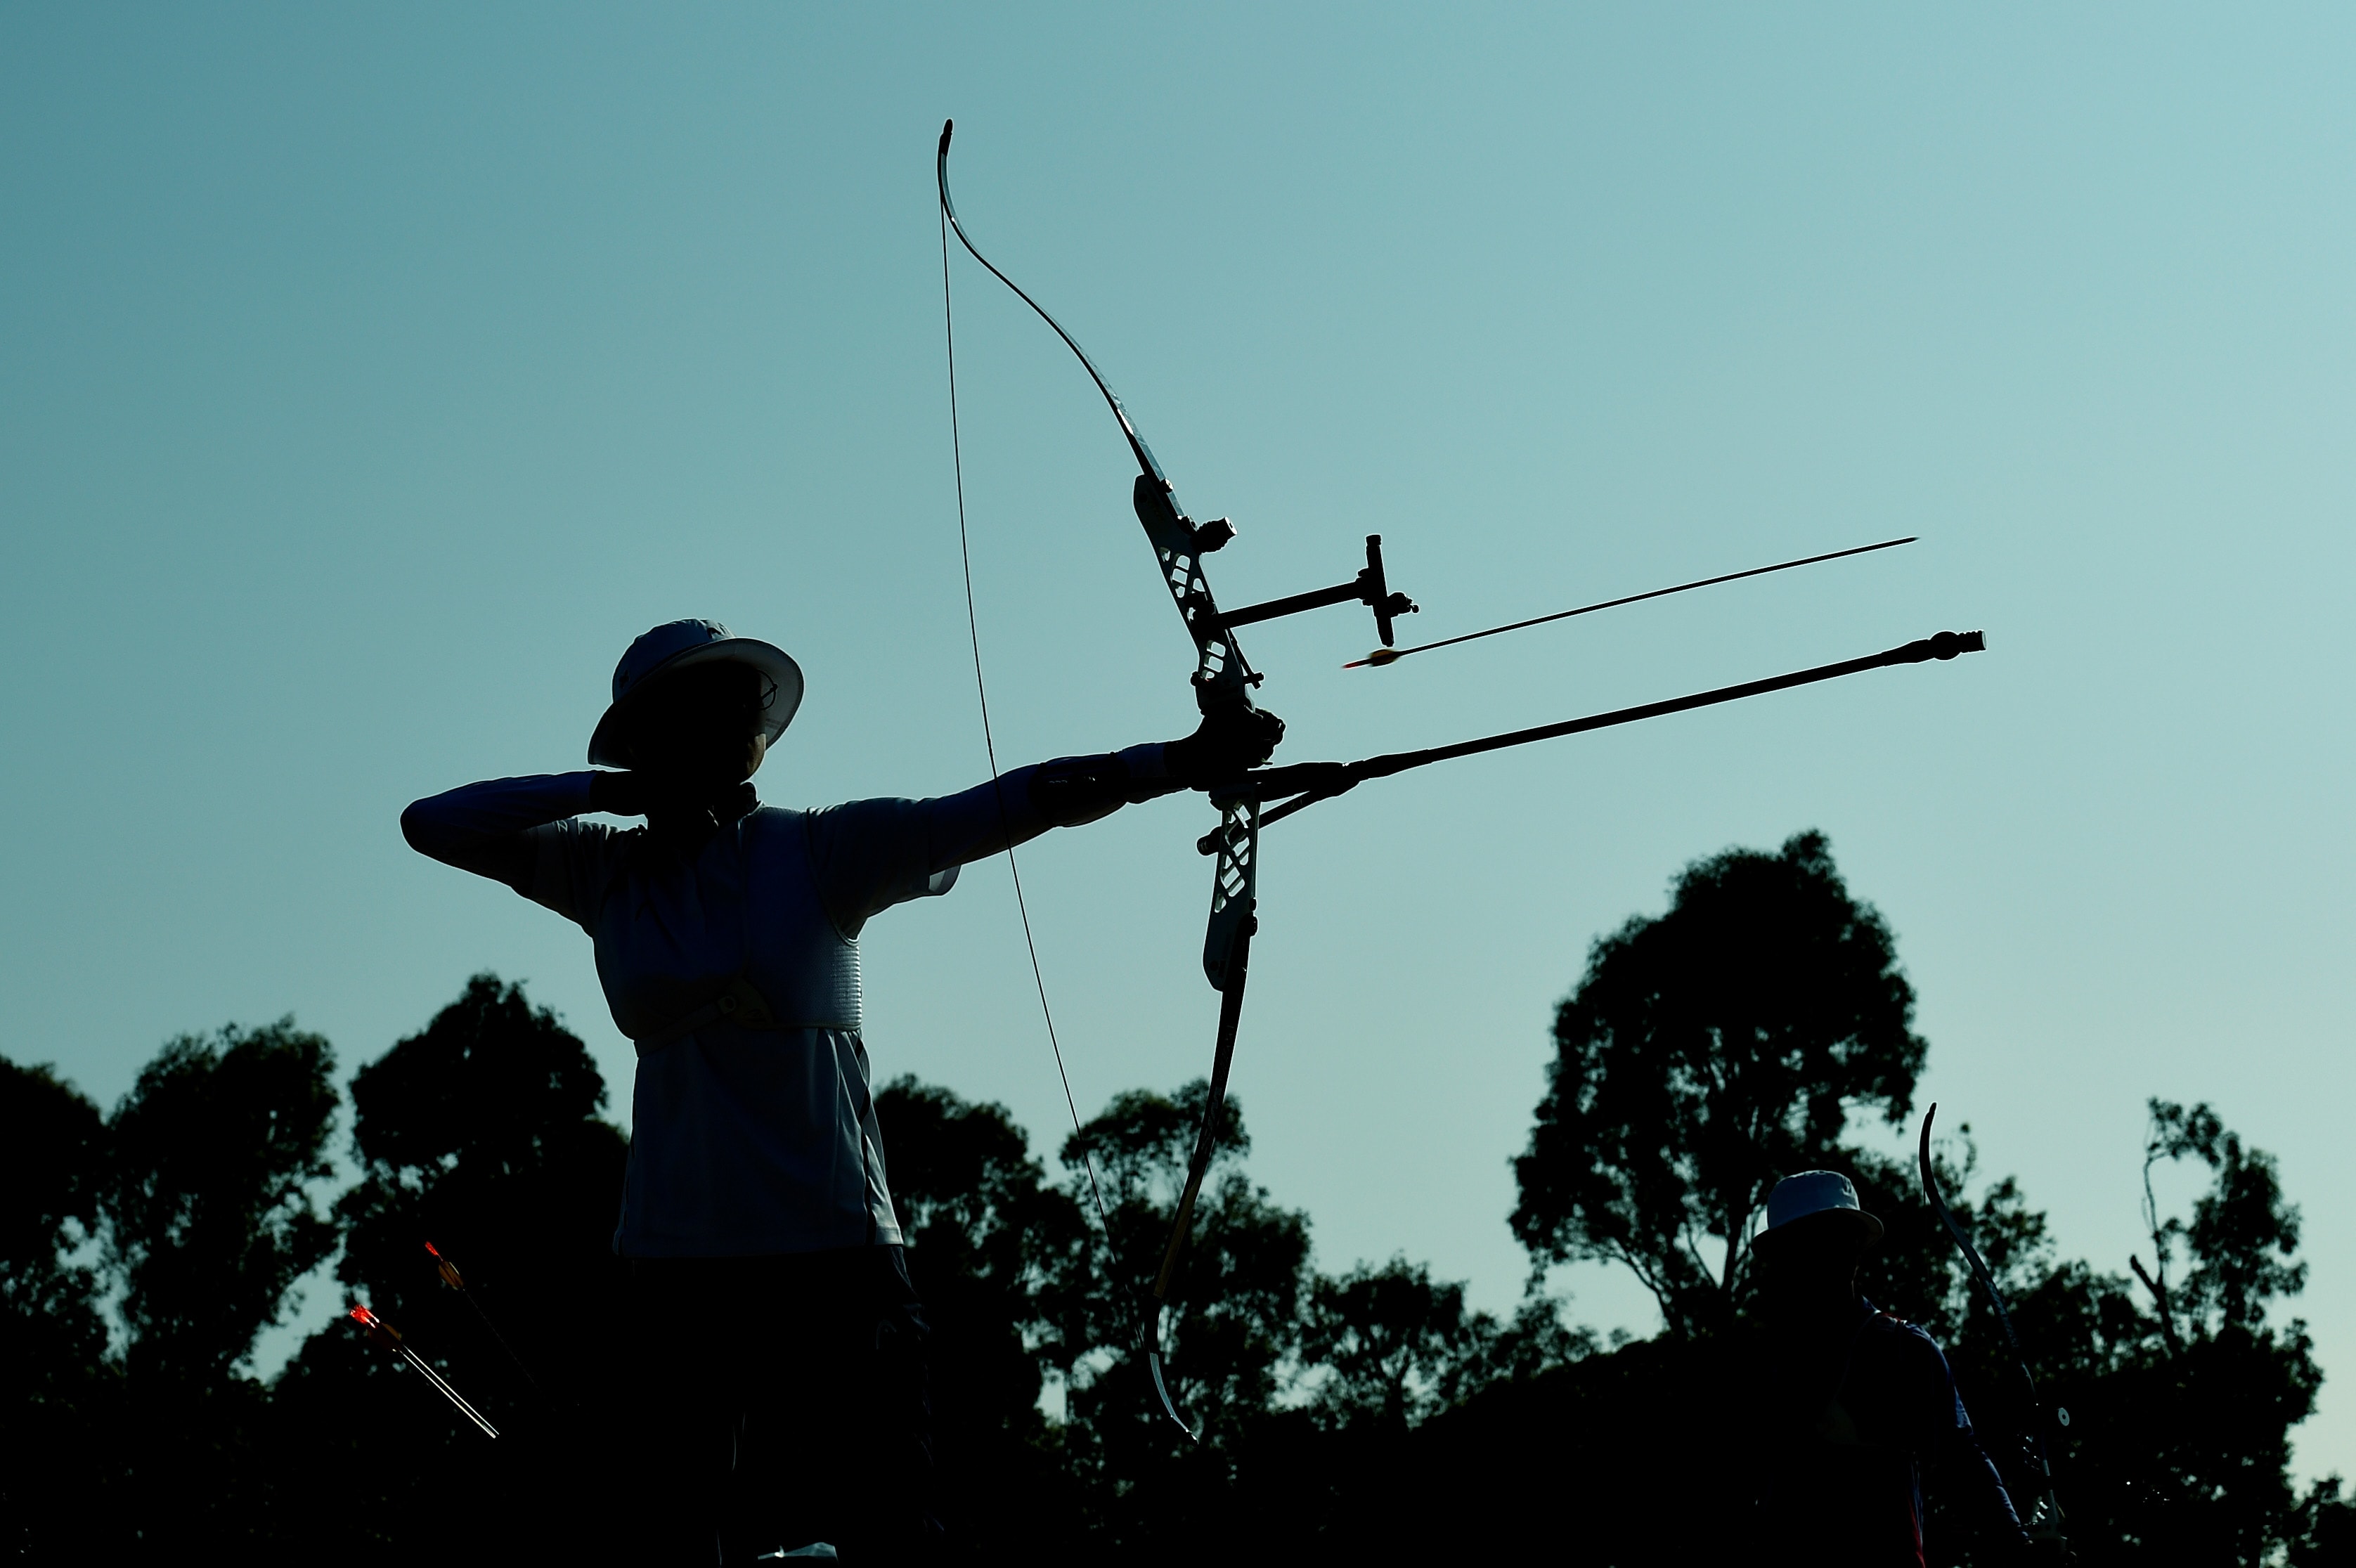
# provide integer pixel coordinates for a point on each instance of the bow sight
(1368, 588)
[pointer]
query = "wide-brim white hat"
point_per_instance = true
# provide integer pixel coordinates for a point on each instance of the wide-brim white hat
(662, 653)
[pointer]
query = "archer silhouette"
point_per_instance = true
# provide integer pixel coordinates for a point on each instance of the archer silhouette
(1863, 1399)
(778, 1392)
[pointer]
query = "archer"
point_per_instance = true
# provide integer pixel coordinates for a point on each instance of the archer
(778, 1387)
(1862, 1400)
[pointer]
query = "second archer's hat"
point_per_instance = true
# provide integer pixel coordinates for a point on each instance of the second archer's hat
(1814, 1192)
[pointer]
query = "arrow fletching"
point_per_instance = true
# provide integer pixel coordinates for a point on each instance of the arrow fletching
(448, 1270)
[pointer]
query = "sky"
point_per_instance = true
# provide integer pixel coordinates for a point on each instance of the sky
(371, 377)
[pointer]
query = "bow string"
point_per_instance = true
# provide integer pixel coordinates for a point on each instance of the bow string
(1222, 681)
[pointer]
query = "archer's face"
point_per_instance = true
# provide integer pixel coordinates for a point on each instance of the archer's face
(706, 726)
(1812, 1267)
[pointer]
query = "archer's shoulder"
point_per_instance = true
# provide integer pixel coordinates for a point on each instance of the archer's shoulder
(856, 826)
(1898, 1340)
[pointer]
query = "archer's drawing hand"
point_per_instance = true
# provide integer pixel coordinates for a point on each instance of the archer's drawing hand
(618, 794)
(1230, 741)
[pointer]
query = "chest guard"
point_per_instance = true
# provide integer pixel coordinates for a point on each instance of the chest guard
(734, 937)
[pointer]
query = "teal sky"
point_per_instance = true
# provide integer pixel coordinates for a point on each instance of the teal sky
(369, 377)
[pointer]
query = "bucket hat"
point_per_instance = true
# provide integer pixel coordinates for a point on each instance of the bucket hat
(677, 645)
(1814, 1192)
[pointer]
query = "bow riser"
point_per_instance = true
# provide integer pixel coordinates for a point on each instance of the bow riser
(1222, 678)
(1234, 886)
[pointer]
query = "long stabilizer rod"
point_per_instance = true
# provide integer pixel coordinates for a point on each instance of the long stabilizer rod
(1392, 655)
(1313, 782)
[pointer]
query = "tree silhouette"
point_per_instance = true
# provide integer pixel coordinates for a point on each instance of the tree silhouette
(56, 1381)
(1397, 1345)
(1229, 1331)
(2179, 1444)
(210, 1221)
(1706, 1052)
(2242, 1237)
(1369, 1415)
(480, 1135)
(983, 1230)
(208, 1197)
(51, 1162)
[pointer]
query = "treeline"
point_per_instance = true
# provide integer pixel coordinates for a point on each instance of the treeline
(1705, 1051)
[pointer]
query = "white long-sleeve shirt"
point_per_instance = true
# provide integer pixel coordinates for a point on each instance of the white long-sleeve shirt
(744, 1141)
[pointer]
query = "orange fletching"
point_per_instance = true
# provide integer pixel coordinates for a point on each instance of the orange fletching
(382, 1332)
(449, 1270)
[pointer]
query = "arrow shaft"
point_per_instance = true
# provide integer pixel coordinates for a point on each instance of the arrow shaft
(418, 1361)
(1637, 599)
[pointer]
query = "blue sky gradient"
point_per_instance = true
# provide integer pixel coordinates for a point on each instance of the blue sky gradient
(369, 377)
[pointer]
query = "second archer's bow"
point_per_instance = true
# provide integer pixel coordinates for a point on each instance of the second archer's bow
(2046, 1520)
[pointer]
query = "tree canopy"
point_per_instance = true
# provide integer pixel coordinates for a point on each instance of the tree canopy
(1706, 1054)
(1760, 1024)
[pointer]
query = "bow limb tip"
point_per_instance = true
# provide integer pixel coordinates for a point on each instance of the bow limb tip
(947, 126)
(1153, 1364)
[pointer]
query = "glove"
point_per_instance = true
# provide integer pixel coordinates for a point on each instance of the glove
(1229, 743)
(618, 794)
